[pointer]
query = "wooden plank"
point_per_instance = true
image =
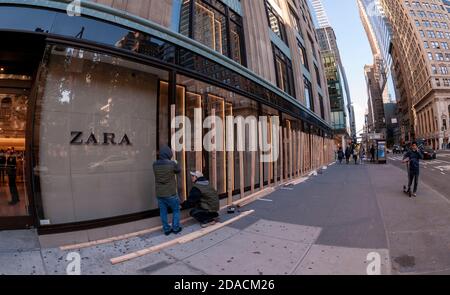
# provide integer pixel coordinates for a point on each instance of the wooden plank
(213, 166)
(253, 172)
(291, 159)
(208, 230)
(117, 238)
(241, 174)
(281, 155)
(181, 240)
(122, 237)
(299, 151)
(261, 164)
(258, 195)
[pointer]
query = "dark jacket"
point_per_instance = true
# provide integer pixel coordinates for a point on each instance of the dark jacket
(165, 171)
(348, 152)
(340, 154)
(203, 196)
(11, 166)
(414, 160)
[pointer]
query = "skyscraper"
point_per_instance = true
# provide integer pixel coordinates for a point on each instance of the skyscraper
(321, 14)
(376, 74)
(343, 119)
(421, 55)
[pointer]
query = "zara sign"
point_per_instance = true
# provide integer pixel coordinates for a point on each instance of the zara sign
(78, 138)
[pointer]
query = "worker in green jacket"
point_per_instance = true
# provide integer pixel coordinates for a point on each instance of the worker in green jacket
(204, 200)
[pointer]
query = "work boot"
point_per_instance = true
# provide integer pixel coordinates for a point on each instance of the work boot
(207, 224)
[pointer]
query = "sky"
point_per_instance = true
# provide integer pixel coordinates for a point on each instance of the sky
(355, 51)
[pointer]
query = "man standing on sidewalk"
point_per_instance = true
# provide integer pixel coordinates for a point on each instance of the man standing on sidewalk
(413, 157)
(165, 171)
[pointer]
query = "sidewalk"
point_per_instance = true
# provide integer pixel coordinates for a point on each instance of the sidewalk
(326, 225)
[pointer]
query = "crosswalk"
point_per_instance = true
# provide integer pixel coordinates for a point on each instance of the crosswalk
(441, 165)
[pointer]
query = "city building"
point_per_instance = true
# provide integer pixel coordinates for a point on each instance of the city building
(376, 118)
(89, 94)
(342, 114)
(421, 63)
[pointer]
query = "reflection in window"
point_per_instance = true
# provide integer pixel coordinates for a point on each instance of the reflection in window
(283, 68)
(207, 22)
(276, 23)
(105, 98)
(309, 99)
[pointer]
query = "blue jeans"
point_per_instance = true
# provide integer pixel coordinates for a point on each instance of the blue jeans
(173, 203)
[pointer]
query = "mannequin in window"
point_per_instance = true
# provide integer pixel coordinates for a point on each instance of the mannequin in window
(11, 168)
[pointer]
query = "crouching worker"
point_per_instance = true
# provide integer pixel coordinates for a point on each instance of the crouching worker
(203, 199)
(165, 171)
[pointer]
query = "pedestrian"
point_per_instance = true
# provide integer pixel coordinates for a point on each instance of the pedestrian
(413, 157)
(372, 154)
(166, 170)
(355, 155)
(11, 168)
(340, 155)
(348, 153)
(204, 200)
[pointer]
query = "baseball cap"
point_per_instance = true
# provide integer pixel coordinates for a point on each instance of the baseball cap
(197, 174)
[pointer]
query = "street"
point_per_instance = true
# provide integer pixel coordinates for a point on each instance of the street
(435, 173)
(329, 224)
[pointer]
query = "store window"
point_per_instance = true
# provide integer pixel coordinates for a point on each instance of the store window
(214, 25)
(210, 105)
(283, 69)
(95, 135)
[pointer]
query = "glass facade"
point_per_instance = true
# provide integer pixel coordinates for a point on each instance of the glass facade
(95, 142)
(215, 25)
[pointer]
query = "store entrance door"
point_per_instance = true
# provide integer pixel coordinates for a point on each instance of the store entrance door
(20, 56)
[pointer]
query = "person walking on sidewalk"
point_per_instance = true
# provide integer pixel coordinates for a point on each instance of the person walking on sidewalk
(355, 154)
(341, 155)
(361, 154)
(372, 154)
(165, 171)
(204, 200)
(348, 154)
(413, 157)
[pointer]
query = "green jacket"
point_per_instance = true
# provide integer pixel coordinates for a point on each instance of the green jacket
(209, 199)
(165, 171)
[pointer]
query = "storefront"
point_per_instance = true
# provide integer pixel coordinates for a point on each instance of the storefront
(85, 105)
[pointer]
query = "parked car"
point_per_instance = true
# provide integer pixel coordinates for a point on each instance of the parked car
(429, 153)
(397, 149)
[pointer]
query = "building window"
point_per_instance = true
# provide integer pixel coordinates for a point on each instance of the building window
(317, 76)
(283, 69)
(309, 99)
(295, 21)
(214, 25)
(276, 23)
(303, 55)
(322, 108)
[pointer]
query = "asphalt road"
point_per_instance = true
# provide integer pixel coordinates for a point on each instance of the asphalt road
(435, 173)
